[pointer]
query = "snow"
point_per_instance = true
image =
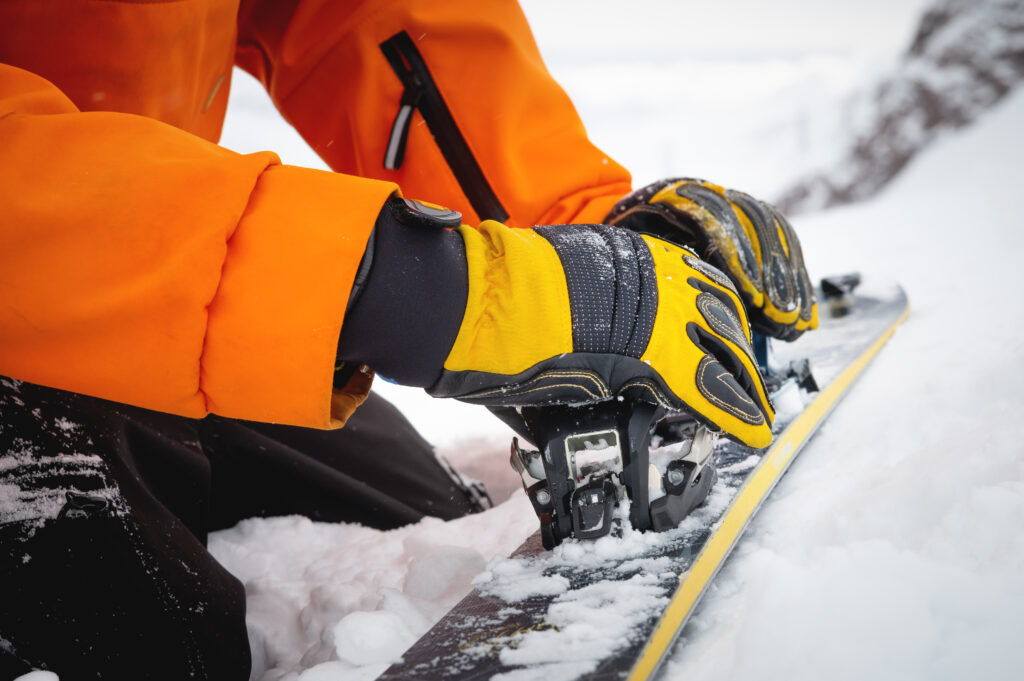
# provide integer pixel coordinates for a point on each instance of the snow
(35, 506)
(586, 623)
(892, 548)
(66, 425)
(38, 676)
(343, 601)
(789, 401)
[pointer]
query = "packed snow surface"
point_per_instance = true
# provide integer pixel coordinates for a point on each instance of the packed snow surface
(893, 547)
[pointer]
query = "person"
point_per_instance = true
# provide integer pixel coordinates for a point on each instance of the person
(185, 329)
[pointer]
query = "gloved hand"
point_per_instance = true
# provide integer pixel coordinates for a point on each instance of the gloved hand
(568, 314)
(746, 238)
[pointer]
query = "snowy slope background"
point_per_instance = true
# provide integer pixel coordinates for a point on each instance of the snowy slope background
(893, 548)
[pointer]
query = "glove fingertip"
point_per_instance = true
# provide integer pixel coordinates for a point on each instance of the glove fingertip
(759, 437)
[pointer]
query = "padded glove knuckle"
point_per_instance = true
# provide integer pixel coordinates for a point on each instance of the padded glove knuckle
(748, 239)
(613, 293)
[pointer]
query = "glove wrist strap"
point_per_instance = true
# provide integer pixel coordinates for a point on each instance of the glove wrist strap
(405, 312)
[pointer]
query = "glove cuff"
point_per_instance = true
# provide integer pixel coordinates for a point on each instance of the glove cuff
(407, 306)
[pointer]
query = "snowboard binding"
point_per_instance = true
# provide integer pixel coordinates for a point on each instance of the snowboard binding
(591, 457)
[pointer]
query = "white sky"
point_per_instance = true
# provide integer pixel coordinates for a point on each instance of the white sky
(875, 28)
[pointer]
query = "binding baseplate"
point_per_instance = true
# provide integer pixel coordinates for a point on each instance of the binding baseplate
(589, 458)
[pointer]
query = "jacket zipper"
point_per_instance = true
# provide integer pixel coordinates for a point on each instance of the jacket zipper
(421, 93)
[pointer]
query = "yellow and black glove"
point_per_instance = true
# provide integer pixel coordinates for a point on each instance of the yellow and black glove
(567, 314)
(748, 239)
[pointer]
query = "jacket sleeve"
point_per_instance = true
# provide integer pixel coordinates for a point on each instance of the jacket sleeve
(142, 264)
(325, 65)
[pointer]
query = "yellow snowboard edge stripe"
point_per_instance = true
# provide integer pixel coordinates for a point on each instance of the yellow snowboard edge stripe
(693, 583)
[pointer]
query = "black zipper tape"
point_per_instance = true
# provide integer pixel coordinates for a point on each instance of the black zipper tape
(421, 93)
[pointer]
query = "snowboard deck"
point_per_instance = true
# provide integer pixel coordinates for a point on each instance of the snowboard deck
(649, 582)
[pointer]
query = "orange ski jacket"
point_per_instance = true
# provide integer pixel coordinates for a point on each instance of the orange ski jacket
(142, 263)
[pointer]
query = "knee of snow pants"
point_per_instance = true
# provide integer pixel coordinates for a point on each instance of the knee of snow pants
(101, 580)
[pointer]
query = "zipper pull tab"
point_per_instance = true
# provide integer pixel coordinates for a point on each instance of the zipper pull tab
(395, 153)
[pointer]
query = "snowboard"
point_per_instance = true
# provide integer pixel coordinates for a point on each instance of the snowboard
(612, 608)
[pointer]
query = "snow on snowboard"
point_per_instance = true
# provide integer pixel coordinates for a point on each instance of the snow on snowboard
(611, 607)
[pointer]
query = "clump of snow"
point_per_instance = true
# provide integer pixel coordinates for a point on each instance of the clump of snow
(586, 624)
(434, 574)
(22, 500)
(514, 579)
(365, 638)
(327, 600)
(789, 401)
(11, 384)
(38, 676)
(66, 425)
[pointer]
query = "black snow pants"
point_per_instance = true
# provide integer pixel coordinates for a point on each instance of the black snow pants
(105, 509)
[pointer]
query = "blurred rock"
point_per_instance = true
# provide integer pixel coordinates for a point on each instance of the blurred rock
(966, 55)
